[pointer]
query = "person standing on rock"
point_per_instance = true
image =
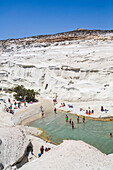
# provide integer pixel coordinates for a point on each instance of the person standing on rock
(42, 149)
(54, 101)
(41, 108)
(19, 105)
(9, 100)
(25, 103)
(15, 103)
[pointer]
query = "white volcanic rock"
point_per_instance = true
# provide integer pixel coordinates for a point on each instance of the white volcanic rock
(80, 68)
(13, 144)
(72, 155)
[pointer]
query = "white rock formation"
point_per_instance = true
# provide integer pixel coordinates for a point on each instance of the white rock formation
(13, 144)
(75, 66)
(77, 63)
(72, 155)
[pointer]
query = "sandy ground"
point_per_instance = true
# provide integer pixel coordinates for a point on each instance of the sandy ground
(32, 112)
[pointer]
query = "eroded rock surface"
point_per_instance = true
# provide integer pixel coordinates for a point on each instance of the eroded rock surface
(75, 63)
(13, 145)
(72, 155)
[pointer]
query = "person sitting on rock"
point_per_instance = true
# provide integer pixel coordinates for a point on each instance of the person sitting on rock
(39, 155)
(49, 149)
(46, 149)
(63, 104)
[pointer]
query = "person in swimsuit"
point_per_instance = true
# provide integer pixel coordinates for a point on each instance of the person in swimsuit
(42, 114)
(83, 119)
(55, 110)
(111, 135)
(66, 118)
(72, 125)
(78, 119)
(70, 121)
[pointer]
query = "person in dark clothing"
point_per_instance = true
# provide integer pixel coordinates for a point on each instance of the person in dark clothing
(42, 149)
(72, 125)
(46, 149)
(111, 135)
(42, 114)
(83, 119)
(70, 121)
(66, 118)
(55, 110)
(78, 119)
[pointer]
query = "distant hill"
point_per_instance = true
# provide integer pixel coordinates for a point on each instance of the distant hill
(70, 35)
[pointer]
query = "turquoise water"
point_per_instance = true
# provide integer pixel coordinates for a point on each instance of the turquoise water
(95, 133)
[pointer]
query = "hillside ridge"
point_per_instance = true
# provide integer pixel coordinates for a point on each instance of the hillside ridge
(74, 33)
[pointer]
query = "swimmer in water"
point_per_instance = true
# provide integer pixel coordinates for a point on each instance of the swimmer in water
(42, 114)
(72, 125)
(70, 121)
(66, 118)
(78, 119)
(83, 119)
(111, 135)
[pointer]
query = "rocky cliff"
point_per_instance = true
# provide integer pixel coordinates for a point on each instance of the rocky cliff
(75, 65)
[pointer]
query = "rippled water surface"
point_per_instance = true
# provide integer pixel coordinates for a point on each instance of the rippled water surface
(95, 133)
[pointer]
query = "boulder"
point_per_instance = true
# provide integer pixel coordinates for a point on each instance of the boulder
(13, 146)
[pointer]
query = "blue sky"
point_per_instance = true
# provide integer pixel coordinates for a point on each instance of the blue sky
(23, 18)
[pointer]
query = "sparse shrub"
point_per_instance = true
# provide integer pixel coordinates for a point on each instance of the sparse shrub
(23, 93)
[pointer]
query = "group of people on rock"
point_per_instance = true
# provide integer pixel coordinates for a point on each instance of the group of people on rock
(89, 112)
(42, 150)
(72, 123)
(16, 106)
(62, 105)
